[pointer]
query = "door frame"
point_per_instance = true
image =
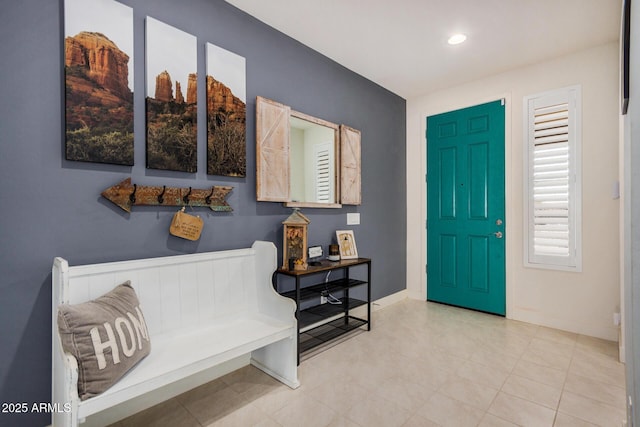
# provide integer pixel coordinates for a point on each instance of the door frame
(511, 222)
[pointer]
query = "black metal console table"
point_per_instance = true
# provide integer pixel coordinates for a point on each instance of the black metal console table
(327, 312)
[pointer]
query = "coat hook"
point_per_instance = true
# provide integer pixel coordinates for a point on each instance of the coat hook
(132, 196)
(208, 198)
(186, 198)
(161, 195)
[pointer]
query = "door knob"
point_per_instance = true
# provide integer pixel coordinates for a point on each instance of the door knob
(498, 234)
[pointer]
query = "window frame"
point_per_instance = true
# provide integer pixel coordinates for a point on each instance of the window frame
(572, 96)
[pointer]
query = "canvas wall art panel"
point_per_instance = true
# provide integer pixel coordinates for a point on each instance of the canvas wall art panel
(171, 97)
(98, 64)
(226, 113)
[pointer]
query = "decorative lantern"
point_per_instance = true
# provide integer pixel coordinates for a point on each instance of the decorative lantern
(295, 240)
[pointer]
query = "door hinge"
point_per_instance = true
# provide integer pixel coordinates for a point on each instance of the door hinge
(426, 269)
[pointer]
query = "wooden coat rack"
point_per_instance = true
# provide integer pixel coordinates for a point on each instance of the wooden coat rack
(126, 195)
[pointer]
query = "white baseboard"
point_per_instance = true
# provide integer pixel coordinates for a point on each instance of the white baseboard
(389, 300)
(380, 303)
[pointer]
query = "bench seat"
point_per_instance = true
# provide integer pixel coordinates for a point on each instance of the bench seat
(176, 357)
(204, 312)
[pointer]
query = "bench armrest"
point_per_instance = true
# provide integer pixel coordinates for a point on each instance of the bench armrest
(64, 393)
(270, 302)
(64, 367)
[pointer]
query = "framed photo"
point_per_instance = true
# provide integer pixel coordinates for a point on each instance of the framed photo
(171, 98)
(98, 70)
(226, 113)
(347, 243)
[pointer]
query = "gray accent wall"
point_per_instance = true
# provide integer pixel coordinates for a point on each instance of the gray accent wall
(52, 207)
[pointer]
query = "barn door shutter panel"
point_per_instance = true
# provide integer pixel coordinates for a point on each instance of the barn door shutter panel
(272, 151)
(350, 166)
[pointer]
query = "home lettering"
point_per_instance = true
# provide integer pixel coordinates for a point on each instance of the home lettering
(131, 331)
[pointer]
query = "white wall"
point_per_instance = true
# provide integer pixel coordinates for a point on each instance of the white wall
(578, 302)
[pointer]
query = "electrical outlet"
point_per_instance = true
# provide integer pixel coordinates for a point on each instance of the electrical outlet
(323, 296)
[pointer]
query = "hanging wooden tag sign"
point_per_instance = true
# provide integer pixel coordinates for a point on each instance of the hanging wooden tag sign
(186, 226)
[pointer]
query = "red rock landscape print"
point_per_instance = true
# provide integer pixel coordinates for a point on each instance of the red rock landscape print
(98, 71)
(172, 138)
(226, 113)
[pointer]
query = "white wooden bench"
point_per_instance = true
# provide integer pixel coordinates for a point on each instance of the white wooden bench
(201, 310)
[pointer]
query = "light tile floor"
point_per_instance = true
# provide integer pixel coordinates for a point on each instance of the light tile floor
(422, 364)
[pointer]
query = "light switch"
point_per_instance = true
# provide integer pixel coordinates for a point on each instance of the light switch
(353, 218)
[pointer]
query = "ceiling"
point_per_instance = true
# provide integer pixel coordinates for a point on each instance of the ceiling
(402, 44)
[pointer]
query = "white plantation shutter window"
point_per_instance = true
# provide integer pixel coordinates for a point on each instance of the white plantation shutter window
(552, 192)
(323, 174)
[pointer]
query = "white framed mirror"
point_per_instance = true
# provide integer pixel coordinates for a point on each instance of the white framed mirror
(313, 158)
(304, 161)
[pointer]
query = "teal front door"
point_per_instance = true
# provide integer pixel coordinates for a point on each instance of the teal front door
(465, 208)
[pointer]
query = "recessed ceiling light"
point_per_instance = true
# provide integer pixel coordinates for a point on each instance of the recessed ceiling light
(457, 39)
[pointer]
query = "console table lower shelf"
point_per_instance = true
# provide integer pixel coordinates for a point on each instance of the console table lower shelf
(322, 322)
(328, 332)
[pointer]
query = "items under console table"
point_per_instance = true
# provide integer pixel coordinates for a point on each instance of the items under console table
(324, 303)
